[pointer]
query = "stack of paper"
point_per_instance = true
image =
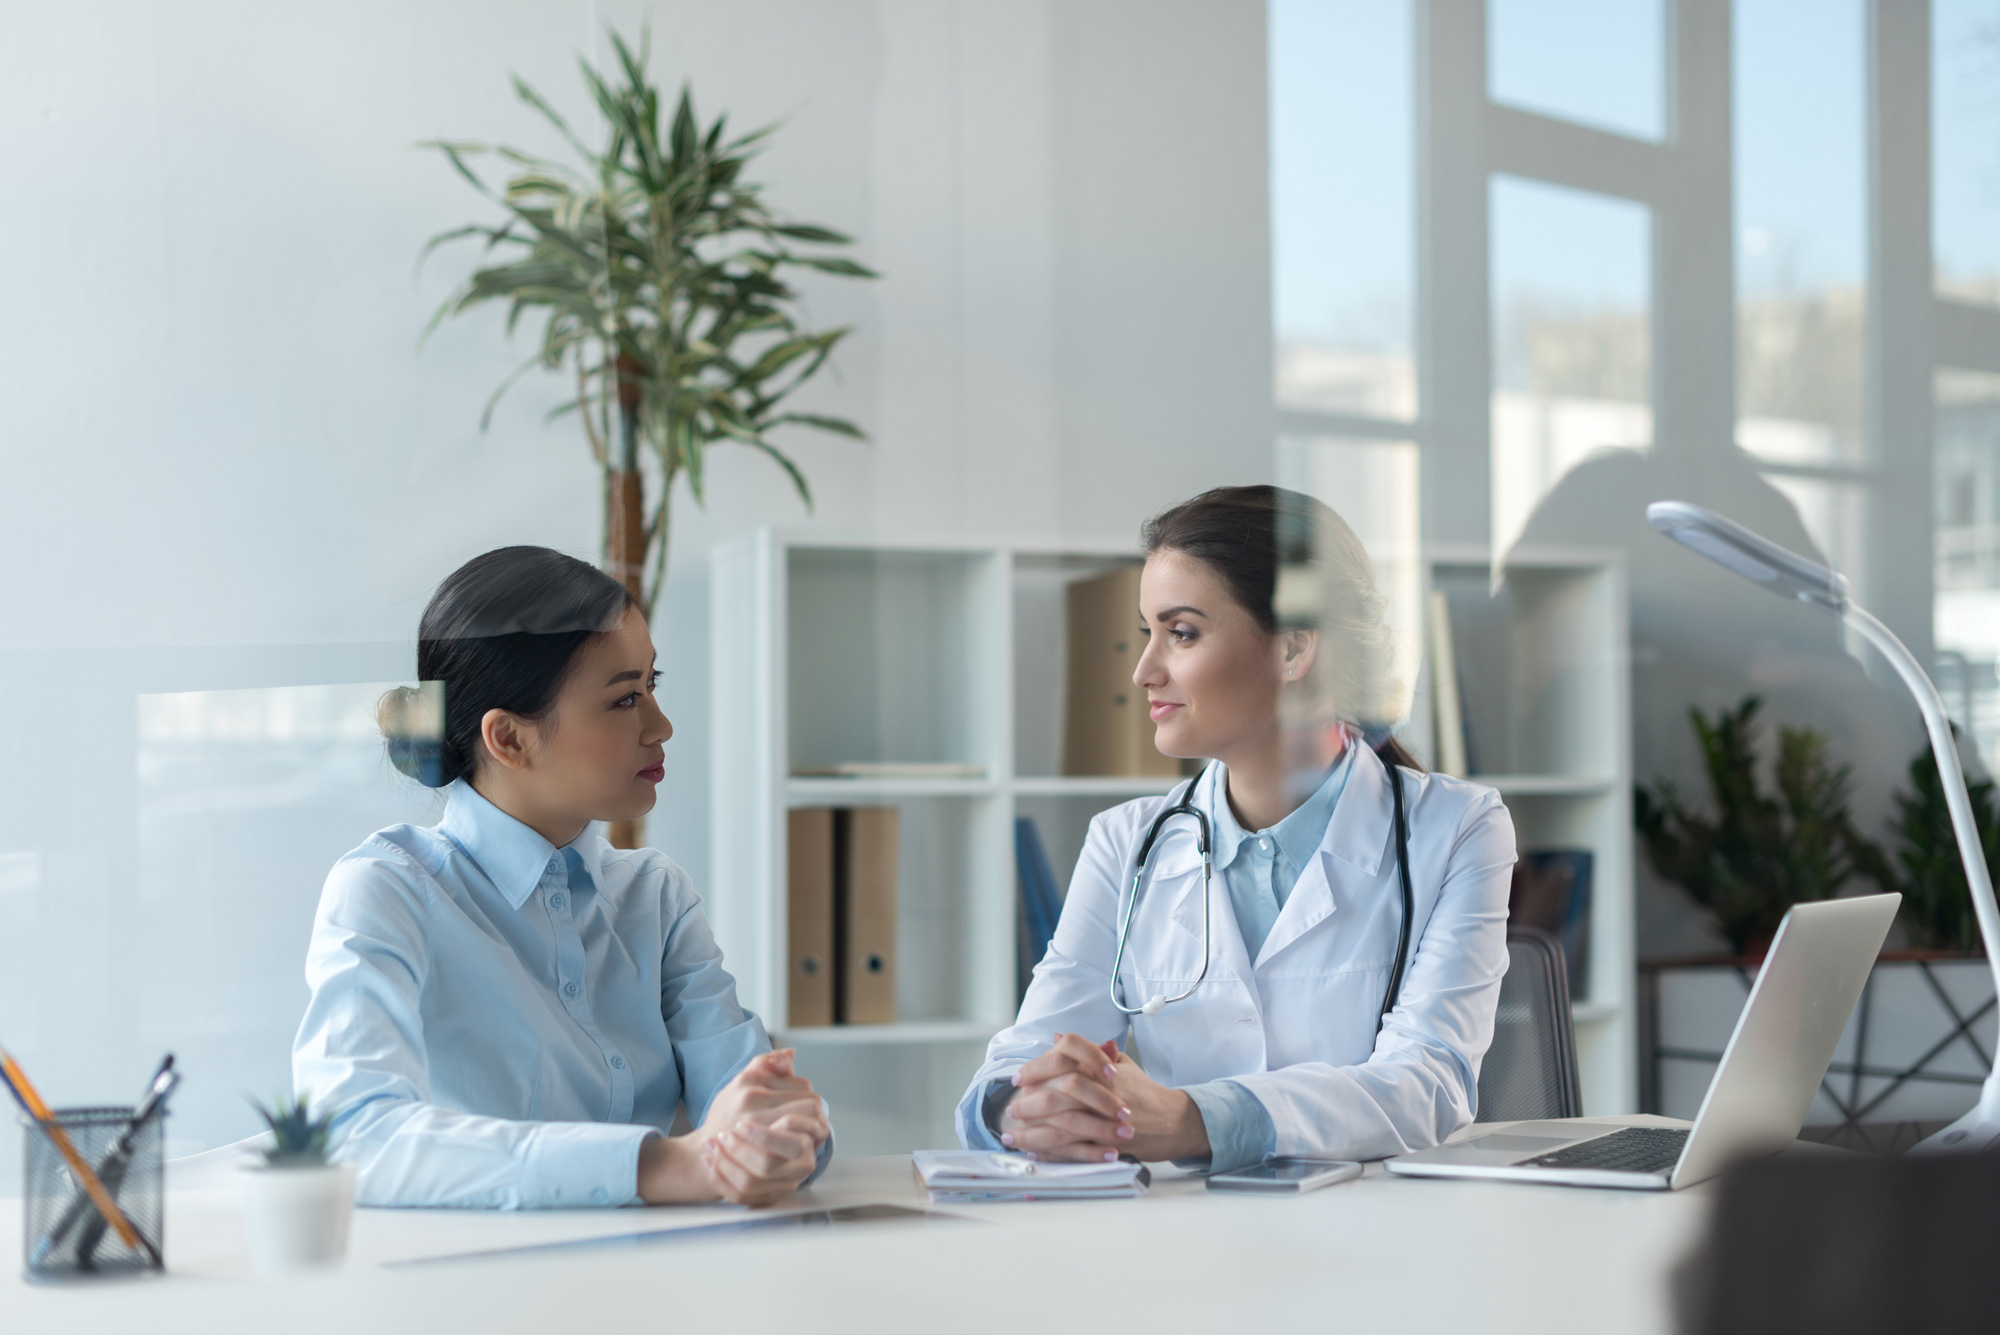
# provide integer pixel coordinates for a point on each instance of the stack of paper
(976, 1175)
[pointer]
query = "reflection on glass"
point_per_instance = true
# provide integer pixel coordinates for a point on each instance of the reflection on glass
(1601, 62)
(1966, 480)
(1834, 513)
(1372, 484)
(246, 799)
(1571, 345)
(1341, 205)
(1965, 148)
(1801, 162)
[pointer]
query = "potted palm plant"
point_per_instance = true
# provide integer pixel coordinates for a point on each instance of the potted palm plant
(297, 1201)
(663, 283)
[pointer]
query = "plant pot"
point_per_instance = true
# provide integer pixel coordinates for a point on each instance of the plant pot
(1915, 1049)
(297, 1217)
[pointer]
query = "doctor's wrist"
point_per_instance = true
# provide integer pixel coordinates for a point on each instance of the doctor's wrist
(1171, 1130)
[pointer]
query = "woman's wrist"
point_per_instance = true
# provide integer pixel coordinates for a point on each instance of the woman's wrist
(1173, 1131)
(671, 1173)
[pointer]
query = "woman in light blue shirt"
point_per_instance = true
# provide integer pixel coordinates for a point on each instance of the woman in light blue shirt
(506, 1011)
(1270, 1007)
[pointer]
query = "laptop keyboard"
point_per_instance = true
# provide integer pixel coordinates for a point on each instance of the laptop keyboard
(1636, 1149)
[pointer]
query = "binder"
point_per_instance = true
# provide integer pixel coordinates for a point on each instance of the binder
(809, 917)
(1041, 903)
(1108, 730)
(864, 894)
(1551, 890)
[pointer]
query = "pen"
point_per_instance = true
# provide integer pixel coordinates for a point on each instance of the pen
(111, 1171)
(31, 1103)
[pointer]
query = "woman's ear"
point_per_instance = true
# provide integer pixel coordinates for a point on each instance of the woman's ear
(1296, 652)
(508, 738)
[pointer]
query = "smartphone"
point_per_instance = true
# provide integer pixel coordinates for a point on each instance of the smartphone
(1290, 1176)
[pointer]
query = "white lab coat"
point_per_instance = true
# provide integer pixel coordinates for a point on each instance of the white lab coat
(1296, 1027)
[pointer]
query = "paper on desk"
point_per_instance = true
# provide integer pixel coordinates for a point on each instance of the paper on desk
(967, 1175)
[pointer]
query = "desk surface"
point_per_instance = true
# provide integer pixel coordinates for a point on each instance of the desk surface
(1375, 1254)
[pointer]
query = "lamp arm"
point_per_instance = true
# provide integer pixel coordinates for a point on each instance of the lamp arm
(1979, 1128)
(1945, 747)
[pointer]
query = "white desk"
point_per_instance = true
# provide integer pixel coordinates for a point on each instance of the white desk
(1377, 1254)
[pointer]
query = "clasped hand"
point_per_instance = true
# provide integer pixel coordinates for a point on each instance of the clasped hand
(759, 1141)
(1084, 1102)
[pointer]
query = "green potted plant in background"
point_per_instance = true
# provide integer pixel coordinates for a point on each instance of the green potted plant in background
(1760, 853)
(297, 1202)
(1926, 868)
(662, 280)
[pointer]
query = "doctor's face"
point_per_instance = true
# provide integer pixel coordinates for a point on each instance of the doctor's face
(1211, 674)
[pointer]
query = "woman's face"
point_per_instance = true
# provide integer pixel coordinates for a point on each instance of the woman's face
(1211, 674)
(599, 753)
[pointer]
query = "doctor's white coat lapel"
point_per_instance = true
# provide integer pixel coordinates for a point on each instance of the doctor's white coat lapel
(1349, 858)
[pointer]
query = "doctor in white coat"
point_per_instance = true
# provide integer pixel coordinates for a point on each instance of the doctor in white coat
(1267, 656)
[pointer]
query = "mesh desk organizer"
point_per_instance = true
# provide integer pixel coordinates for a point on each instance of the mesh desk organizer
(63, 1235)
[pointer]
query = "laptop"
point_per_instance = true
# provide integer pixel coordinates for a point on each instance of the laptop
(1756, 1103)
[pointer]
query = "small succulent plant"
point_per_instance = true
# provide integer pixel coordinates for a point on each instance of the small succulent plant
(302, 1139)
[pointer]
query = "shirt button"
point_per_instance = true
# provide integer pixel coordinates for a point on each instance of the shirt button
(555, 901)
(600, 1195)
(569, 989)
(1263, 845)
(617, 1063)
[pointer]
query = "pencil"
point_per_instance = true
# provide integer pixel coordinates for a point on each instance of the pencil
(31, 1102)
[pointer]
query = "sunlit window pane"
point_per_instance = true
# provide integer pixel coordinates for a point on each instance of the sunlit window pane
(1801, 228)
(1571, 345)
(1965, 148)
(1342, 214)
(1596, 61)
(1965, 473)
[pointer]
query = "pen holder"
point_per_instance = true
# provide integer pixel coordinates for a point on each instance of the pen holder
(63, 1236)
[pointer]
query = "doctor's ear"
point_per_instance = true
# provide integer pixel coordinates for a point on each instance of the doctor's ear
(1296, 651)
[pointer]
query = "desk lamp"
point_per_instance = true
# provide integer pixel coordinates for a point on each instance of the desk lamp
(1788, 575)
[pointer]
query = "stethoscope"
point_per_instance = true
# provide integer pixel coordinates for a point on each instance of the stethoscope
(1185, 807)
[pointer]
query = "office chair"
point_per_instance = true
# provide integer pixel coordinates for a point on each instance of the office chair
(1530, 1071)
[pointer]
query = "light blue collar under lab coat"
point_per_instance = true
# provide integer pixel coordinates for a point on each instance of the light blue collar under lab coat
(1260, 869)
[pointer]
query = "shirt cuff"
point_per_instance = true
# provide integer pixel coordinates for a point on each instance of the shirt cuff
(1240, 1130)
(825, 1155)
(576, 1165)
(986, 1128)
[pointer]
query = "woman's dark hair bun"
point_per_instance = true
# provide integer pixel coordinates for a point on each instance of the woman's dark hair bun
(499, 633)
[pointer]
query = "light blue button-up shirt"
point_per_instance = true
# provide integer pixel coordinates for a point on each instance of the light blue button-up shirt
(1260, 870)
(501, 1023)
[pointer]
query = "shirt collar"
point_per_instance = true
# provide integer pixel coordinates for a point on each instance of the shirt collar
(1299, 834)
(511, 854)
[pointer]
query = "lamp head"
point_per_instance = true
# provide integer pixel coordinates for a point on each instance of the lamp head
(1756, 558)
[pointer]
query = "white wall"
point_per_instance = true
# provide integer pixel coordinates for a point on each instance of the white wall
(225, 463)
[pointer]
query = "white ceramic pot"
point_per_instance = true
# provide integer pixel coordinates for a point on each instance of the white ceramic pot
(297, 1217)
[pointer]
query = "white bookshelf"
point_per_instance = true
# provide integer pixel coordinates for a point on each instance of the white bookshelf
(1542, 648)
(834, 649)
(829, 650)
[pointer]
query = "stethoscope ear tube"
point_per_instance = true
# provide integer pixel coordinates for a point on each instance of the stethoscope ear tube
(1409, 898)
(1184, 807)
